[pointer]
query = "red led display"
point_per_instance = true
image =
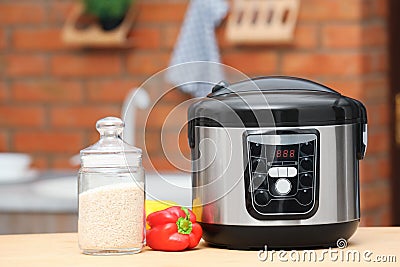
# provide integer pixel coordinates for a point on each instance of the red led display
(285, 153)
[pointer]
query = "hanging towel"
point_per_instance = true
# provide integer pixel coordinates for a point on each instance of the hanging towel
(197, 43)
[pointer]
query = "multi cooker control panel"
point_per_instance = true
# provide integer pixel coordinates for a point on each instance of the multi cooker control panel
(281, 176)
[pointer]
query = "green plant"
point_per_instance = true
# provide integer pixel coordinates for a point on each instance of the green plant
(107, 9)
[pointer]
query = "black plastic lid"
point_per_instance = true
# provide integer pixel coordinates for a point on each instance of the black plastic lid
(275, 101)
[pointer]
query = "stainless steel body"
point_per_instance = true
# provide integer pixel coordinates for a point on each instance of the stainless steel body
(218, 177)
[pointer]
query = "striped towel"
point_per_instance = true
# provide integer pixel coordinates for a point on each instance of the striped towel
(197, 46)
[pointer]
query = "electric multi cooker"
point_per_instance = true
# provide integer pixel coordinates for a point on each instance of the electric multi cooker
(276, 162)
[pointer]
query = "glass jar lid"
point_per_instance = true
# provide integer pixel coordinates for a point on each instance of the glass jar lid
(111, 150)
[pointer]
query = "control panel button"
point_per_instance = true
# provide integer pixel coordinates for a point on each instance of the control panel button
(259, 181)
(306, 164)
(282, 172)
(291, 171)
(261, 197)
(306, 180)
(304, 196)
(274, 172)
(283, 186)
(255, 149)
(258, 165)
(307, 148)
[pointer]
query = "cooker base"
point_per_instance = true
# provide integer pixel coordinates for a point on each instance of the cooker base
(285, 237)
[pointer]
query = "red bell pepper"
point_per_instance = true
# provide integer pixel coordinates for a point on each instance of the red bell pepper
(173, 229)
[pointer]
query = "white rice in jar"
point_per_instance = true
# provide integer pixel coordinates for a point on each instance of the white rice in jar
(111, 217)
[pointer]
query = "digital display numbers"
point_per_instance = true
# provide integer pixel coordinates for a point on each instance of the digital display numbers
(282, 152)
(285, 153)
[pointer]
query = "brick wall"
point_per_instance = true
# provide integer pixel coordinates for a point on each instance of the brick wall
(51, 95)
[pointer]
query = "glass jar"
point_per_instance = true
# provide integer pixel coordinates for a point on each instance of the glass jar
(111, 194)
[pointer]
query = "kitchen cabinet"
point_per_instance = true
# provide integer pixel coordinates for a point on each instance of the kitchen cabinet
(36, 207)
(37, 222)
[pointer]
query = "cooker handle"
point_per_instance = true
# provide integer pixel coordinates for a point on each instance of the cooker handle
(270, 83)
(363, 142)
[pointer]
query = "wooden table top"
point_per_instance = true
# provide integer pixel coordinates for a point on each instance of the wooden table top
(62, 250)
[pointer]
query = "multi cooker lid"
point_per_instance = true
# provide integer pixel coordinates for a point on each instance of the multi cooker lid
(275, 101)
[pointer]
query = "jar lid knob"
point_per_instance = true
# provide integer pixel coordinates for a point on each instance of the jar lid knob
(110, 126)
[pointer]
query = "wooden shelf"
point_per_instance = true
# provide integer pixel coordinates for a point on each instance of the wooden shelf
(262, 21)
(94, 35)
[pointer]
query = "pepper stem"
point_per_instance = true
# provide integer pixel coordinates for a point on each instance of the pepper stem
(184, 224)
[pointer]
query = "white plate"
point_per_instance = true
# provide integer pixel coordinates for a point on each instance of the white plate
(29, 175)
(63, 187)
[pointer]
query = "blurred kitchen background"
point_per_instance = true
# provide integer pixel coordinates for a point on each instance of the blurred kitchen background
(52, 92)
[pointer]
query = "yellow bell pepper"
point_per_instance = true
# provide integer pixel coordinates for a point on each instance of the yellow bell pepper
(157, 205)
